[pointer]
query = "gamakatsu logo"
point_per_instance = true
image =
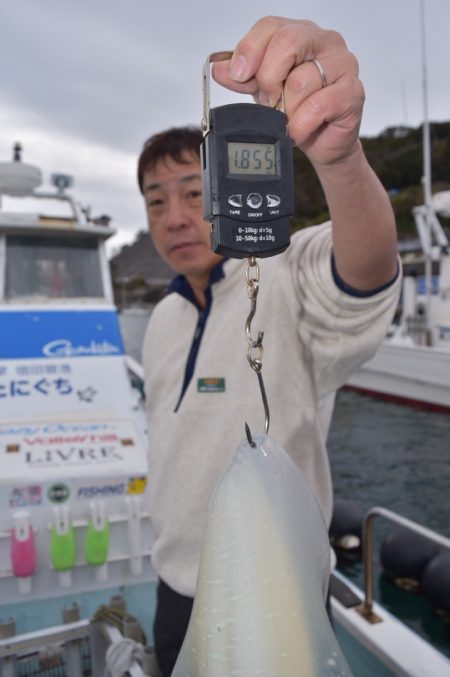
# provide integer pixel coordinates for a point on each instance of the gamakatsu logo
(64, 348)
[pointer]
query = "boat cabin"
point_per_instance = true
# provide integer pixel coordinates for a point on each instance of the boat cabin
(47, 256)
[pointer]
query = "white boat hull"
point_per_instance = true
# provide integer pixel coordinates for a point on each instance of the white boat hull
(417, 375)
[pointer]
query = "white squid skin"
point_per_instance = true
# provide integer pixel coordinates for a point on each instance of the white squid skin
(259, 608)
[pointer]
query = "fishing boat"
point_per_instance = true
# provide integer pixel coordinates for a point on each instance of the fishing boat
(73, 516)
(75, 534)
(412, 366)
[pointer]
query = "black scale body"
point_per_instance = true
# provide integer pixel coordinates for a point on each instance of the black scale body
(247, 180)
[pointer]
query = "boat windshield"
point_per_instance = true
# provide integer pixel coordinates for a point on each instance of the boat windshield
(55, 267)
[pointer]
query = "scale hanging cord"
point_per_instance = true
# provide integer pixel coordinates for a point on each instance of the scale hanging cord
(255, 361)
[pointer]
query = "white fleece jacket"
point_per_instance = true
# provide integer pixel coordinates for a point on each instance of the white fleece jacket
(315, 335)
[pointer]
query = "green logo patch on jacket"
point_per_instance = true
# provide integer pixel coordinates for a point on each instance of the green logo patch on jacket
(212, 384)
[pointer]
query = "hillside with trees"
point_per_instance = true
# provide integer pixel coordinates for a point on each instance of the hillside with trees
(396, 157)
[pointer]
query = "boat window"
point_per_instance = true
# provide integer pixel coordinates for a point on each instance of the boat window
(52, 267)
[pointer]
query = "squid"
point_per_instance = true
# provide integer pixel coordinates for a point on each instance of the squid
(260, 602)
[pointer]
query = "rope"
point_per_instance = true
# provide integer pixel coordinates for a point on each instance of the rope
(121, 655)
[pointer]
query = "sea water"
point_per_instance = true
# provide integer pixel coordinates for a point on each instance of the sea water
(393, 456)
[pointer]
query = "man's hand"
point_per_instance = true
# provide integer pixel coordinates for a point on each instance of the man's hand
(323, 99)
(323, 121)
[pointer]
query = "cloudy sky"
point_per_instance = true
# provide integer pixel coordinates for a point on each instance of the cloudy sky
(84, 83)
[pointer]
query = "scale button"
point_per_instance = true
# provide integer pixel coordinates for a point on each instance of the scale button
(254, 200)
(235, 200)
(273, 200)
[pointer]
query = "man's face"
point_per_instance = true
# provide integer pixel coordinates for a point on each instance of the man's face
(173, 198)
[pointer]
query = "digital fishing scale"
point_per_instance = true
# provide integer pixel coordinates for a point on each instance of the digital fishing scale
(247, 175)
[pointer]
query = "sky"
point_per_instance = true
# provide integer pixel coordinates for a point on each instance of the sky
(83, 84)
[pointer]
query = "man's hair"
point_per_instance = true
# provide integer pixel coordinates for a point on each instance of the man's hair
(175, 143)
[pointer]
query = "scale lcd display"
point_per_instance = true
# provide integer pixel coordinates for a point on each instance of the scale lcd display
(252, 158)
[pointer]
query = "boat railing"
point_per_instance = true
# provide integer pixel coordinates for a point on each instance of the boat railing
(61, 196)
(72, 639)
(136, 374)
(416, 326)
(366, 610)
(136, 369)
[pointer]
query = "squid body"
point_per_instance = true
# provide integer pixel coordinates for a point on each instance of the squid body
(259, 608)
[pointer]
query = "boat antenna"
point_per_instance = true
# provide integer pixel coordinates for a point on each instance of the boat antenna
(426, 121)
(426, 179)
(17, 152)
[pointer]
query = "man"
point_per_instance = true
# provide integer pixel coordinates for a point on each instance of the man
(324, 304)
